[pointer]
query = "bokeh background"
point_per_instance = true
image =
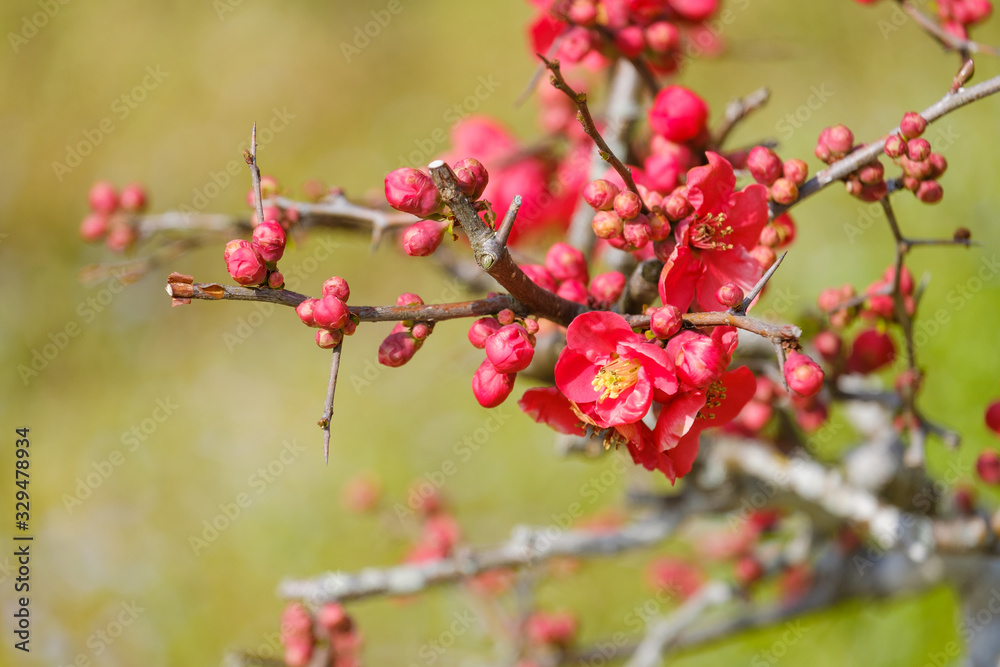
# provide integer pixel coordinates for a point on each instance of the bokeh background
(235, 406)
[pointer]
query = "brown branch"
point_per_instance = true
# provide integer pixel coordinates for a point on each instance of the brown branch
(324, 422)
(587, 121)
(739, 109)
(945, 38)
(868, 152)
(773, 332)
(251, 159)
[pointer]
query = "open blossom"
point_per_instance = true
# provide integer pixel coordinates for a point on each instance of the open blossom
(714, 242)
(610, 372)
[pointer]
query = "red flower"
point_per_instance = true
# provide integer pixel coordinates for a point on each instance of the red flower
(713, 243)
(610, 372)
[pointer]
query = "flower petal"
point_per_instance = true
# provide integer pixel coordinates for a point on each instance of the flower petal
(547, 405)
(575, 376)
(711, 186)
(679, 278)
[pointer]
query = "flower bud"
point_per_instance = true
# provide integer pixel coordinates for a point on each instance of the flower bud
(305, 312)
(607, 287)
(397, 349)
(607, 225)
(409, 299)
(506, 316)
(730, 295)
(828, 344)
(840, 140)
(665, 321)
(491, 388)
(636, 232)
(988, 466)
(872, 173)
(662, 36)
(332, 617)
(564, 262)
(93, 227)
(699, 359)
(471, 176)
(993, 417)
(895, 146)
(552, 629)
(600, 194)
(912, 125)
(275, 280)
(939, 165)
(784, 191)
(918, 169)
(482, 329)
(918, 150)
(297, 635)
(582, 12)
(871, 351)
(930, 192)
(338, 287)
(327, 339)
(764, 165)
(677, 207)
(540, 276)
(573, 290)
(627, 205)
(795, 170)
(509, 349)
(803, 375)
(421, 330)
(350, 326)
(269, 240)
(422, 238)
(412, 191)
(330, 313)
(102, 197)
(630, 41)
(678, 114)
(133, 198)
(765, 256)
(245, 264)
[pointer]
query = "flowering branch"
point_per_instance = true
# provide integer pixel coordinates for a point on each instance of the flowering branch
(945, 38)
(739, 109)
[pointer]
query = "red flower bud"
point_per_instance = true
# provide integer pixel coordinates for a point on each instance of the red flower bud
(93, 227)
(102, 197)
(269, 240)
(330, 313)
(482, 329)
(784, 191)
(607, 287)
(506, 316)
(409, 299)
(327, 339)
(333, 618)
(988, 466)
(471, 176)
(305, 312)
(133, 198)
(803, 375)
(490, 387)
(275, 280)
(677, 206)
(663, 37)
(509, 349)
(245, 264)
(600, 194)
(607, 225)
(895, 146)
(665, 321)
(871, 174)
(939, 165)
(397, 349)
(871, 351)
(730, 295)
(627, 205)
(422, 238)
(828, 344)
(636, 232)
(766, 257)
(573, 290)
(411, 191)
(678, 113)
(699, 359)
(795, 170)
(918, 150)
(993, 417)
(694, 10)
(338, 287)
(840, 140)
(912, 125)
(764, 165)
(630, 41)
(564, 262)
(930, 192)
(421, 330)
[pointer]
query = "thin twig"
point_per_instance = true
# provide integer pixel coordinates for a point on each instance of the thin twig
(331, 389)
(739, 109)
(748, 300)
(251, 159)
(945, 38)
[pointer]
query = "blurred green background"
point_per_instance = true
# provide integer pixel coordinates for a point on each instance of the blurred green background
(234, 406)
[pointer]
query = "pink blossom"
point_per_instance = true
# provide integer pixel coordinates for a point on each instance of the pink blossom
(411, 191)
(491, 387)
(510, 349)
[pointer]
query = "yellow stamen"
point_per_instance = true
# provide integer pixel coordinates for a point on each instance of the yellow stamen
(615, 377)
(715, 394)
(708, 232)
